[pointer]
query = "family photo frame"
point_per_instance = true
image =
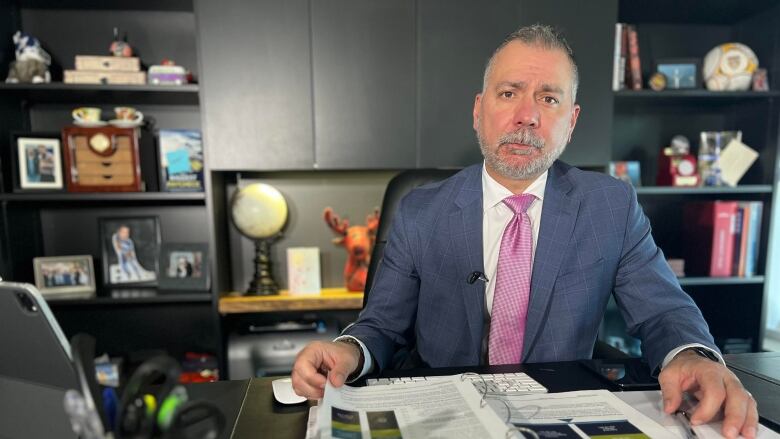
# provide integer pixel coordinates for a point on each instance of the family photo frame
(184, 266)
(65, 277)
(37, 162)
(130, 249)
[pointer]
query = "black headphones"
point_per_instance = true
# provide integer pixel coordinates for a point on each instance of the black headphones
(152, 403)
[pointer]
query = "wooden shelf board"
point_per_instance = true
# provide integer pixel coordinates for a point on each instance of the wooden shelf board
(670, 190)
(173, 197)
(329, 299)
(58, 92)
(687, 281)
(120, 301)
(695, 94)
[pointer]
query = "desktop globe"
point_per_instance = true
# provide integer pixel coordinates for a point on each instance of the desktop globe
(259, 212)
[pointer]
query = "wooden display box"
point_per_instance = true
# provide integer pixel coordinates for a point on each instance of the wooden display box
(108, 63)
(102, 159)
(104, 77)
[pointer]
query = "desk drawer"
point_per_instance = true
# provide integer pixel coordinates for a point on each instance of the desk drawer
(119, 168)
(86, 155)
(105, 180)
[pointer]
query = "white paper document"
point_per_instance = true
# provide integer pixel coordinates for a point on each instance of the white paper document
(581, 414)
(650, 403)
(453, 409)
(426, 409)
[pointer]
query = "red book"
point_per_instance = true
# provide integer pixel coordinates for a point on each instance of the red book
(709, 238)
(633, 59)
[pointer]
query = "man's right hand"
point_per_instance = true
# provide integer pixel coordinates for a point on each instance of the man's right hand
(317, 359)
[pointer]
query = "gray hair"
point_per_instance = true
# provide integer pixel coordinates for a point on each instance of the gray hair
(540, 35)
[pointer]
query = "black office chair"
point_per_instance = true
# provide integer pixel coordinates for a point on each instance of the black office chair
(399, 186)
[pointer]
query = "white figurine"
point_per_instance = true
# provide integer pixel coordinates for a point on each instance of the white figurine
(32, 62)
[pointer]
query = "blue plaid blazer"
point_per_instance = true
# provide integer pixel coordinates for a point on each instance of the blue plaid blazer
(594, 240)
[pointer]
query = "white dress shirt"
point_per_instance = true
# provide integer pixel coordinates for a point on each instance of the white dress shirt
(495, 217)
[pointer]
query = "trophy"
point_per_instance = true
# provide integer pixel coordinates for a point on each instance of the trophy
(676, 165)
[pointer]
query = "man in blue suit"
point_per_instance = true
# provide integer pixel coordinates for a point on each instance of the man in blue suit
(577, 238)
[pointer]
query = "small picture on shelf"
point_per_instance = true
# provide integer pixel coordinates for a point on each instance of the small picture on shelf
(38, 163)
(184, 267)
(680, 73)
(65, 277)
(181, 160)
(130, 247)
(627, 171)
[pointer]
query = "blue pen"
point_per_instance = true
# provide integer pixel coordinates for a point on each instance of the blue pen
(110, 407)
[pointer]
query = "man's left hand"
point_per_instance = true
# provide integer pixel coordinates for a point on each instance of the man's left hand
(715, 386)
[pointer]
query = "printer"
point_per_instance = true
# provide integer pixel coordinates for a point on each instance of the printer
(271, 350)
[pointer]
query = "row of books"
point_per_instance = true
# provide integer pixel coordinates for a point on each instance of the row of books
(722, 237)
(626, 68)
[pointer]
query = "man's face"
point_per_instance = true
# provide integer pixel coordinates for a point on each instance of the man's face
(525, 116)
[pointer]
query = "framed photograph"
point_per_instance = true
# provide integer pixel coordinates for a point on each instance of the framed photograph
(184, 267)
(627, 171)
(680, 73)
(131, 248)
(181, 160)
(65, 276)
(37, 163)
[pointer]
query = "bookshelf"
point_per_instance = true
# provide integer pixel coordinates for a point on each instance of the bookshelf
(644, 121)
(36, 224)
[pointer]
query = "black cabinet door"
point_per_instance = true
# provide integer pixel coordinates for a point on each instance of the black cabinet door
(455, 40)
(363, 62)
(457, 37)
(256, 84)
(590, 31)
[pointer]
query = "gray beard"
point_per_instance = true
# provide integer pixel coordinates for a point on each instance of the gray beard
(528, 171)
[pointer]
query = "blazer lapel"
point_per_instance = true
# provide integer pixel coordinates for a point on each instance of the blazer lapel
(559, 214)
(465, 223)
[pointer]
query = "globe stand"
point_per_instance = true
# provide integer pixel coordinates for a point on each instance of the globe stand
(263, 283)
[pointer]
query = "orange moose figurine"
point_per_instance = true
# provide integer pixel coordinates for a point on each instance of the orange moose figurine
(359, 241)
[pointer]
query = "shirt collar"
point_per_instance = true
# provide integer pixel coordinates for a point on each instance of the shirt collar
(494, 193)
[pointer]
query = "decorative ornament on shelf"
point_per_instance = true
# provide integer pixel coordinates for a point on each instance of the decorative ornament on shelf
(120, 47)
(676, 165)
(729, 67)
(359, 242)
(657, 81)
(168, 73)
(32, 62)
(259, 212)
(710, 147)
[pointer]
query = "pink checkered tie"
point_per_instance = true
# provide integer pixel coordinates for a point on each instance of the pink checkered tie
(513, 285)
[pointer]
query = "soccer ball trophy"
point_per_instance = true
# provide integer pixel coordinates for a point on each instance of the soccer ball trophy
(259, 212)
(729, 67)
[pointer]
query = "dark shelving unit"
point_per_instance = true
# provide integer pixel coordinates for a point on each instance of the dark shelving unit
(644, 122)
(39, 223)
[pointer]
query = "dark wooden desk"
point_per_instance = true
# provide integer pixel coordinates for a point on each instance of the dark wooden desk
(260, 416)
(760, 374)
